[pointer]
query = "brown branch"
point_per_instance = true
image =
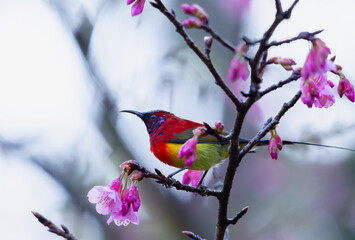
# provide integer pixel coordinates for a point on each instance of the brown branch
(239, 216)
(179, 29)
(170, 182)
(303, 35)
(255, 71)
(294, 76)
(271, 124)
(64, 232)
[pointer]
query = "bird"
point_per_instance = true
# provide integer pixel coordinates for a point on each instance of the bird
(167, 133)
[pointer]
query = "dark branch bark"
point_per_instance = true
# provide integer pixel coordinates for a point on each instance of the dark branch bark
(64, 232)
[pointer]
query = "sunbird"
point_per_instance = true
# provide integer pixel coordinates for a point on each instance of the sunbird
(168, 133)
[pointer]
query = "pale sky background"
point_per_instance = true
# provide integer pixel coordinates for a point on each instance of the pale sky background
(45, 97)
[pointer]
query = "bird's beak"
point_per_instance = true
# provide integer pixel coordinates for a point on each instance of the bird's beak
(139, 114)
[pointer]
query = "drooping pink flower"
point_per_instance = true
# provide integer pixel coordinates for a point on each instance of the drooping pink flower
(345, 87)
(123, 203)
(188, 150)
(326, 97)
(137, 7)
(238, 69)
(191, 176)
(192, 23)
(106, 199)
(133, 197)
(317, 90)
(273, 148)
(278, 142)
(317, 61)
(195, 10)
(120, 219)
(275, 144)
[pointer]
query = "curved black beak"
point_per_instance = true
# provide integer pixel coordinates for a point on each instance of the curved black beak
(139, 114)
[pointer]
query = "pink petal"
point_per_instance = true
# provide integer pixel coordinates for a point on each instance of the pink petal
(137, 7)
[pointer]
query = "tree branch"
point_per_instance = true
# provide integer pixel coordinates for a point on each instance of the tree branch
(238, 216)
(169, 182)
(216, 36)
(270, 125)
(64, 232)
(179, 29)
(294, 76)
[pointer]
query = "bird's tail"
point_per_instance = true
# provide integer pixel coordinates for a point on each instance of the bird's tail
(286, 142)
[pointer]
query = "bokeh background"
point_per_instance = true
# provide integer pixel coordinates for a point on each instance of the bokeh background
(69, 66)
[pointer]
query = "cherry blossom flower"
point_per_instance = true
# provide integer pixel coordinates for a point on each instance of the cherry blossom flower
(346, 88)
(275, 144)
(106, 199)
(238, 68)
(316, 90)
(117, 199)
(317, 61)
(191, 176)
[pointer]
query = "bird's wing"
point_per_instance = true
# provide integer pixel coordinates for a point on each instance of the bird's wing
(187, 134)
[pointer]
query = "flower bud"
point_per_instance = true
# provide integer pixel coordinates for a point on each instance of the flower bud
(192, 23)
(129, 166)
(137, 176)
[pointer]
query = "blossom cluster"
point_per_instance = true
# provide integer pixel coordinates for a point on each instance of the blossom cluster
(117, 198)
(315, 86)
(199, 16)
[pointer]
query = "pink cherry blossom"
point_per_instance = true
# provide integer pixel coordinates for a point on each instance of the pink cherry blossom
(137, 7)
(345, 87)
(273, 148)
(123, 203)
(188, 149)
(275, 144)
(238, 69)
(119, 219)
(106, 199)
(278, 142)
(317, 61)
(316, 90)
(191, 176)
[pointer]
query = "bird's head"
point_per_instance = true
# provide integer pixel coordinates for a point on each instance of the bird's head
(152, 119)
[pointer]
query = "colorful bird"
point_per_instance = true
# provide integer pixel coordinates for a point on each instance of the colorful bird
(168, 133)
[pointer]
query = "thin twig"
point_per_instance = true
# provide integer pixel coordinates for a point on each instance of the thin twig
(179, 28)
(270, 125)
(303, 35)
(239, 216)
(294, 76)
(64, 232)
(169, 182)
(216, 36)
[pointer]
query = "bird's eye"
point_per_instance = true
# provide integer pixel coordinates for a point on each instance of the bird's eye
(153, 117)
